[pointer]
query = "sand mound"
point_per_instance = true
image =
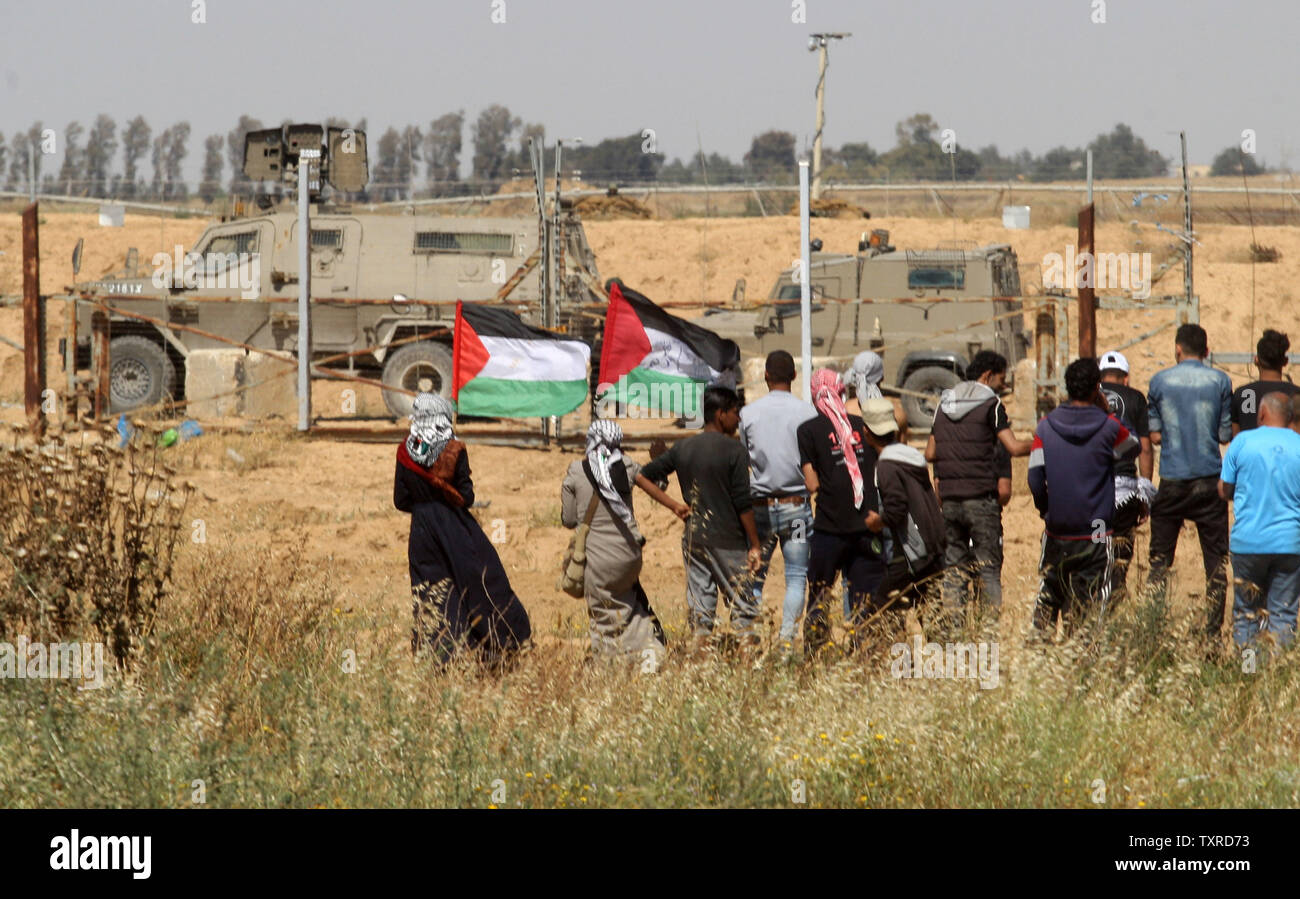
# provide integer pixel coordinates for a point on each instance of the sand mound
(616, 206)
(832, 209)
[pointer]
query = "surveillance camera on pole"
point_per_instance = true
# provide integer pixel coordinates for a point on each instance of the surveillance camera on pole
(820, 41)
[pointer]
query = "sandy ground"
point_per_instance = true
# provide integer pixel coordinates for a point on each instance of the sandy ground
(339, 495)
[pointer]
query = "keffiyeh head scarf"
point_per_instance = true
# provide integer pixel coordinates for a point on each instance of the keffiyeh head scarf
(828, 397)
(605, 458)
(866, 374)
(431, 428)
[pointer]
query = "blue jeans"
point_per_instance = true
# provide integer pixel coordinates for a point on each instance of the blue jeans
(791, 524)
(1267, 588)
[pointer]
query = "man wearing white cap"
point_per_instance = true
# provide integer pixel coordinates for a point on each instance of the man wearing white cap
(1134, 491)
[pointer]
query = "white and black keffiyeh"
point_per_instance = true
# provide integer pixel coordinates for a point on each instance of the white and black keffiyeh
(1129, 488)
(431, 428)
(866, 374)
(604, 450)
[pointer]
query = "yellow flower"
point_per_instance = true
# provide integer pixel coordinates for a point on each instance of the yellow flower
(528, 774)
(880, 736)
(491, 806)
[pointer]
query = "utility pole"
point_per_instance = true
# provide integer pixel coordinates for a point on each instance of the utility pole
(819, 42)
(805, 287)
(1187, 235)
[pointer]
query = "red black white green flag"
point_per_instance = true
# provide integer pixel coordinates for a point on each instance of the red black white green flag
(658, 361)
(503, 368)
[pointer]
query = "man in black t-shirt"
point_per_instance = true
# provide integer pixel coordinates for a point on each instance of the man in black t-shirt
(720, 545)
(846, 523)
(1133, 488)
(1270, 358)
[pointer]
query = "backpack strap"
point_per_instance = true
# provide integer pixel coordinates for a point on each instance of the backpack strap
(595, 494)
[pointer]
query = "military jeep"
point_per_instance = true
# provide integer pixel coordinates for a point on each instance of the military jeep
(897, 303)
(240, 282)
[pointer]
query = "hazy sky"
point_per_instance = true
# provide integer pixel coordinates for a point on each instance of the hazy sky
(1018, 73)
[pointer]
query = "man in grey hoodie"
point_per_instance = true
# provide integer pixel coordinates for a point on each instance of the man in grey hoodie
(969, 425)
(910, 511)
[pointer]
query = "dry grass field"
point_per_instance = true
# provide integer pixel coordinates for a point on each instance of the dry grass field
(245, 682)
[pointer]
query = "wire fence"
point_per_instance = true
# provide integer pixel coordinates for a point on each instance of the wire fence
(1276, 204)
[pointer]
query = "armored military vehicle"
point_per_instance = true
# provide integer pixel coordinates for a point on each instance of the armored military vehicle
(369, 270)
(895, 302)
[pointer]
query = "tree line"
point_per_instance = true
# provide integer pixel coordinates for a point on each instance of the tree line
(425, 159)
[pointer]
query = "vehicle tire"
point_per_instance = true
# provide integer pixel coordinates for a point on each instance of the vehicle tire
(930, 379)
(139, 374)
(423, 367)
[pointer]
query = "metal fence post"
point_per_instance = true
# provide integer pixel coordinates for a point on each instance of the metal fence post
(805, 288)
(100, 361)
(33, 323)
(304, 292)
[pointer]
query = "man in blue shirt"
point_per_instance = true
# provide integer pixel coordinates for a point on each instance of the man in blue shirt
(1261, 477)
(1190, 415)
(782, 510)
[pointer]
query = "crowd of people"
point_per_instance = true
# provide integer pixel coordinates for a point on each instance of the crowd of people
(912, 540)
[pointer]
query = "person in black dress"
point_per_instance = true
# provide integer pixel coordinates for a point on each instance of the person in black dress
(462, 598)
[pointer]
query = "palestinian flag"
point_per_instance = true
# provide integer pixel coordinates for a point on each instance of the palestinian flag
(657, 361)
(503, 368)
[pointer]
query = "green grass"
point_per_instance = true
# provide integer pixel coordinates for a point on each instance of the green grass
(256, 684)
(244, 688)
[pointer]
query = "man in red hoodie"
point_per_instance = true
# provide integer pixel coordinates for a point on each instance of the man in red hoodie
(1072, 478)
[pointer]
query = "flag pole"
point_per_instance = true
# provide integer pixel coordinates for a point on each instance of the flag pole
(805, 289)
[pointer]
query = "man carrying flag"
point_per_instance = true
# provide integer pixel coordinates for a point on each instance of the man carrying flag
(503, 368)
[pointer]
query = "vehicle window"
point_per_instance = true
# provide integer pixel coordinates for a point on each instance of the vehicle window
(922, 278)
(326, 238)
(792, 292)
(463, 242)
(226, 249)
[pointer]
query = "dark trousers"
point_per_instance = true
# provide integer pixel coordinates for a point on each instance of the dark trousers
(857, 556)
(904, 587)
(1076, 579)
(974, 550)
(1123, 537)
(1196, 500)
